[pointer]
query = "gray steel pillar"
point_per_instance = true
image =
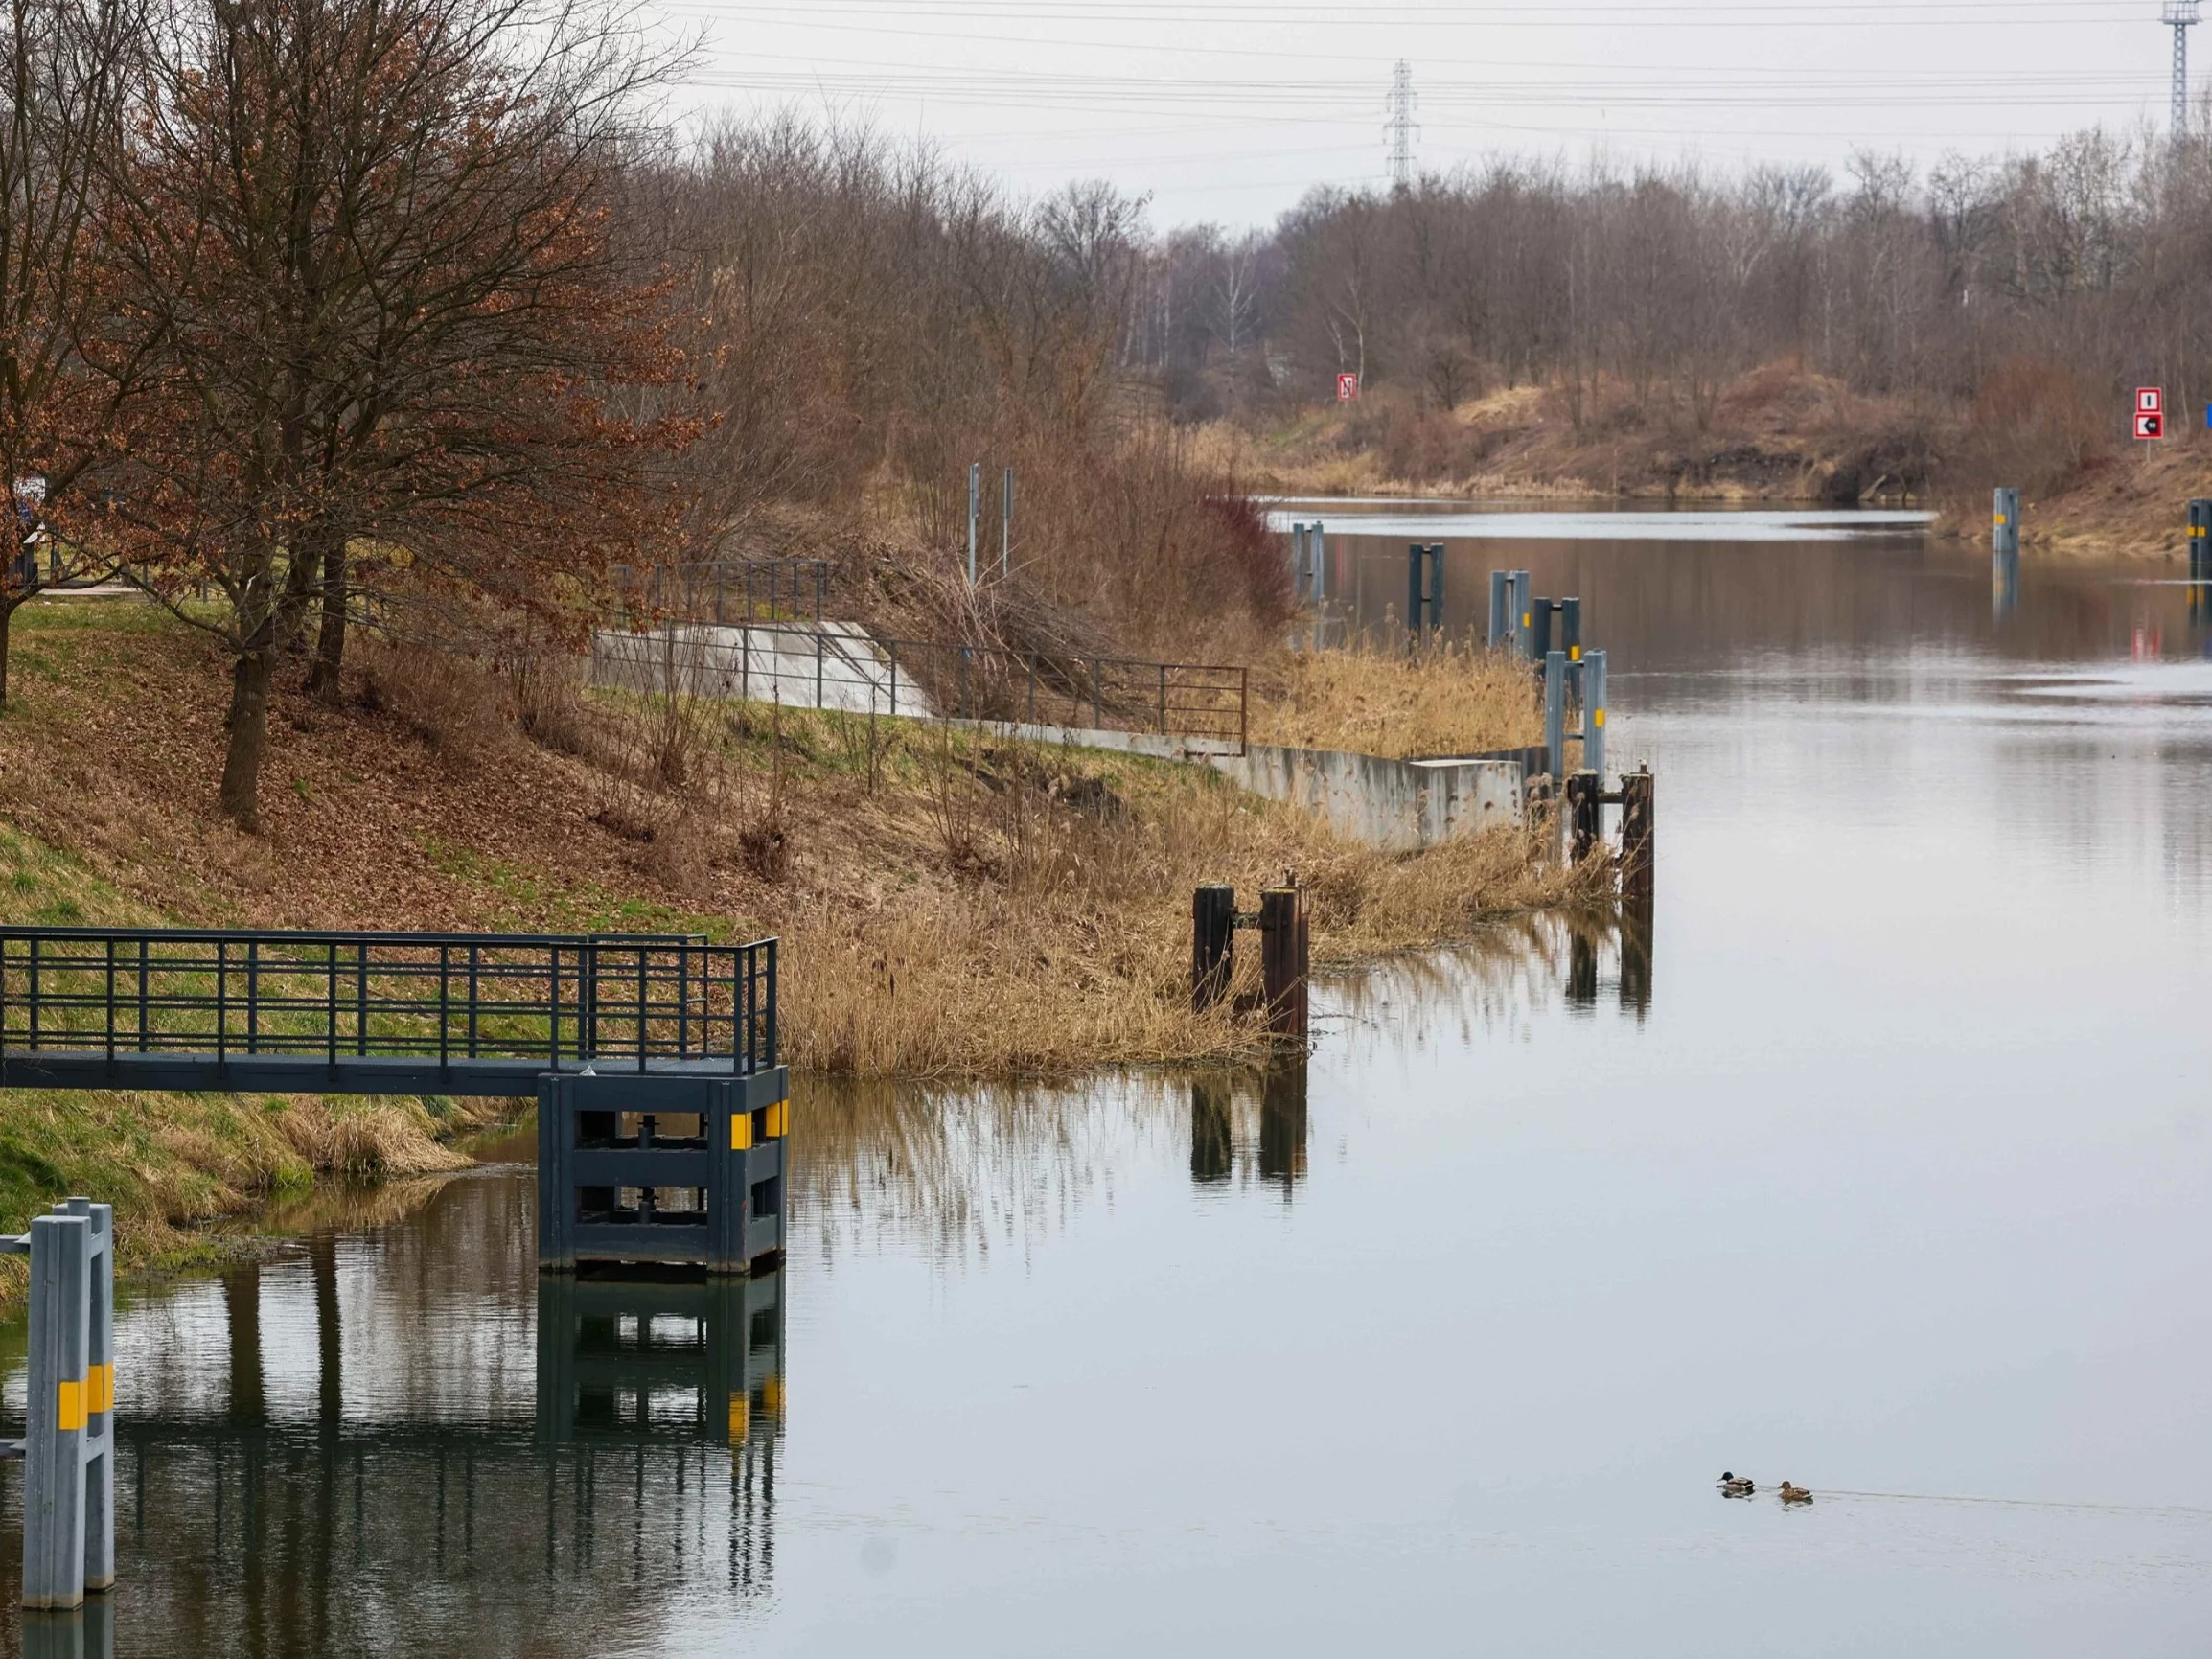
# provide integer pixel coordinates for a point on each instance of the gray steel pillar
(975, 507)
(1594, 715)
(100, 1389)
(1555, 713)
(1499, 632)
(2005, 520)
(1522, 612)
(54, 1413)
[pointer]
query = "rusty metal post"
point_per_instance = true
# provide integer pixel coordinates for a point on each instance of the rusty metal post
(1212, 944)
(1282, 961)
(1637, 858)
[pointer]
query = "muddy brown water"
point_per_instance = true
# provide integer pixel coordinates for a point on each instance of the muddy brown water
(1885, 1171)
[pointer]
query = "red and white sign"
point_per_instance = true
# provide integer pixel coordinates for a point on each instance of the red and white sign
(2150, 425)
(1346, 388)
(2150, 399)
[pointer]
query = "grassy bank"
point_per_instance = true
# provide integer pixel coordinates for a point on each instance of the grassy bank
(952, 906)
(1777, 433)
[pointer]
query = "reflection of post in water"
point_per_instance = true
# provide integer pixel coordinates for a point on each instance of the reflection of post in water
(87, 1632)
(1582, 968)
(2004, 584)
(1636, 955)
(1211, 1143)
(1282, 1121)
(627, 1361)
(241, 1313)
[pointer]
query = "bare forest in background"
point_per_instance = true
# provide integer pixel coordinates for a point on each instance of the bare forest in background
(421, 315)
(1994, 311)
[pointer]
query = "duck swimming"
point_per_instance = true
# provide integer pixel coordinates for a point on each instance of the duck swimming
(1735, 1485)
(1795, 1494)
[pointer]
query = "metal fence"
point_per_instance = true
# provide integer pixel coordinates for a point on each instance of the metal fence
(726, 591)
(841, 667)
(451, 998)
(1191, 700)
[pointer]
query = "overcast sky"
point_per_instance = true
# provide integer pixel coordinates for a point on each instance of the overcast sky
(1229, 111)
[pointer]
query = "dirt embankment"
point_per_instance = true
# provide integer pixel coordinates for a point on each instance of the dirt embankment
(950, 906)
(1779, 433)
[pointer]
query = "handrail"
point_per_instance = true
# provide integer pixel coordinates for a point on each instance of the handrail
(638, 1001)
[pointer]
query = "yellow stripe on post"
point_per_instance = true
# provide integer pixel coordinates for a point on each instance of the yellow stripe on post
(1574, 653)
(1597, 716)
(740, 1131)
(102, 1378)
(69, 1405)
(780, 1119)
(739, 1418)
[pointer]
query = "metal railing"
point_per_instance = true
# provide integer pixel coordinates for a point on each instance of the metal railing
(843, 669)
(1043, 688)
(725, 590)
(634, 1001)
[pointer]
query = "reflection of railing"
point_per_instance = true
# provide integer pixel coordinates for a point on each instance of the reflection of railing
(726, 591)
(461, 1012)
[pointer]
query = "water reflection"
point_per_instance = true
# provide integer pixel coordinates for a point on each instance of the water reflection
(362, 1446)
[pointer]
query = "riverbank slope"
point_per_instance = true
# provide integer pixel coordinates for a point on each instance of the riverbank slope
(950, 905)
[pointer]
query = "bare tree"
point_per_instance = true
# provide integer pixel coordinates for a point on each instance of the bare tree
(62, 84)
(369, 244)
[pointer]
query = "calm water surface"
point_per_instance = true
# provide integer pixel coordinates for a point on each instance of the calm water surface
(1885, 1170)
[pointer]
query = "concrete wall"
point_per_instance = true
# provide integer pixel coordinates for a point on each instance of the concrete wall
(1401, 805)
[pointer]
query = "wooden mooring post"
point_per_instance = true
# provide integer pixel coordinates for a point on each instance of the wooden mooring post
(1638, 801)
(1285, 953)
(1212, 944)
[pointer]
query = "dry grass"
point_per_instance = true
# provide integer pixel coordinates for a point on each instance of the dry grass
(950, 905)
(1448, 698)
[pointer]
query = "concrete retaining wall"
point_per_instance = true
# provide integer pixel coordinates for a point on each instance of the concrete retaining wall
(1401, 805)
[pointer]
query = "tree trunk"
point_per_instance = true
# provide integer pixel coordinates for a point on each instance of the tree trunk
(7, 616)
(323, 679)
(248, 724)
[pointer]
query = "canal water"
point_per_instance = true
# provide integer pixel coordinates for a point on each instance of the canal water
(1883, 1165)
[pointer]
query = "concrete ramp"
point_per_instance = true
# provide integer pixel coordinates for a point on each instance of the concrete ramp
(826, 666)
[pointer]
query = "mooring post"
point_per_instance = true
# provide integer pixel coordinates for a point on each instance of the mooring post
(53, 1412)
(2200, 539)
(1556, 714)
(1282, 960)
(1570, 642)
(99, 1393)
(1582, 809)
(1521, 611)
(2005, 520)
(1594, 714)
(1637, 806)
(1498, 602)
(1212, 944)
(1414, 593)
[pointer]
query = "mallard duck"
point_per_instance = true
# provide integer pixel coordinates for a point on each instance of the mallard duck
(1795, 1494)
(1735, 1485)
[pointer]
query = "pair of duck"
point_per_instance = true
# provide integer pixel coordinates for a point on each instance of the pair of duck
(1735, 1485)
